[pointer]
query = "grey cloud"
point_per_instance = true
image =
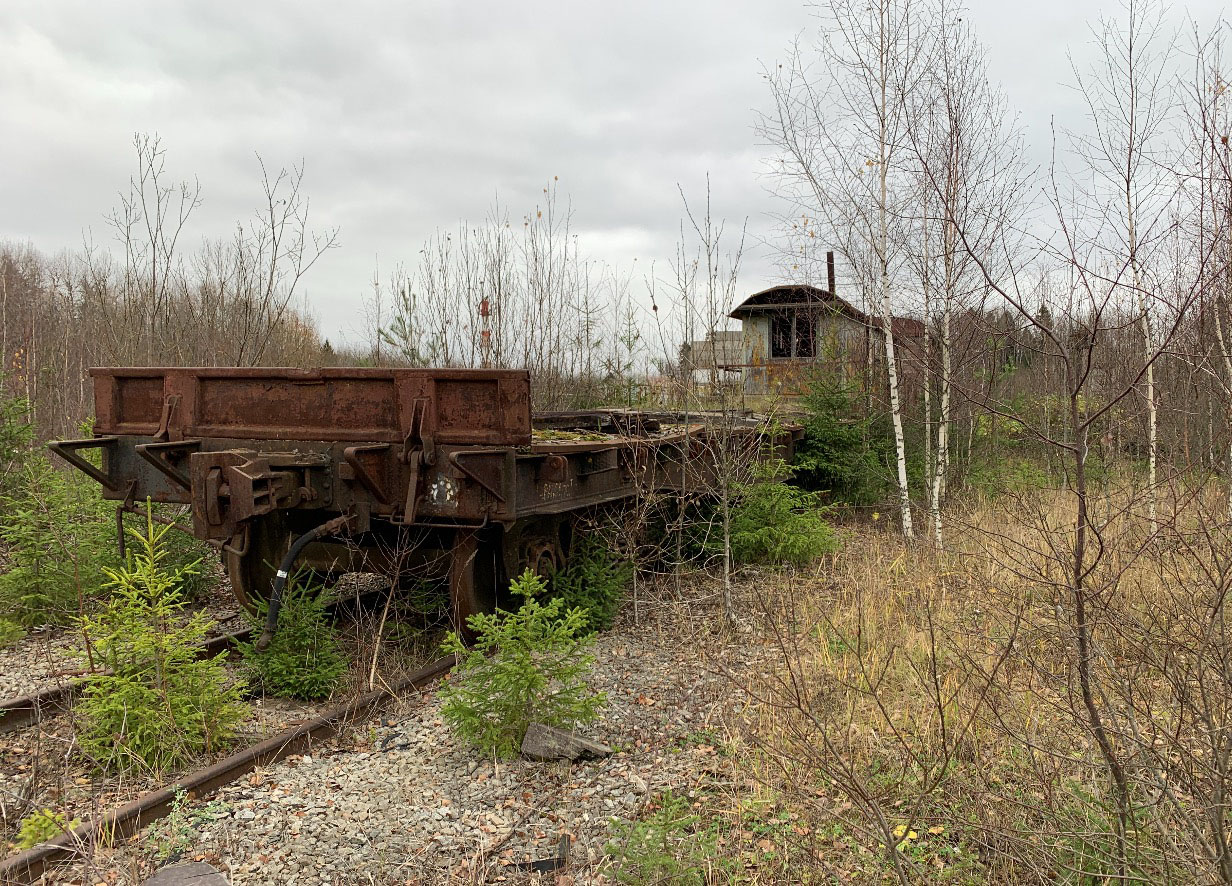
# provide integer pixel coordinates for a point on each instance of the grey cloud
(412, 116)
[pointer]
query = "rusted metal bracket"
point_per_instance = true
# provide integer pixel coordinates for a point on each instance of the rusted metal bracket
(359, 472)
(68, 449)
(245, 533)
(418, 451)
(491, 484)
(411, 505)
(170, 404)
(154, 453)
(417, 443)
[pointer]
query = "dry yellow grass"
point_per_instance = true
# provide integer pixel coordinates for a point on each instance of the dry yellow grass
(936, 695)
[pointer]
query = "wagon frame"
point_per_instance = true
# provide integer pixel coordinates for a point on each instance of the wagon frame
(335, 469)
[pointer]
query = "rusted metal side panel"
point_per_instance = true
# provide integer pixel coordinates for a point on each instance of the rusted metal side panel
(477, 407)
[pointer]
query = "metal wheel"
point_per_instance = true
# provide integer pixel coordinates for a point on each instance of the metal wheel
(475, 575)
(540, 545)
(543, 558)
(252, 572)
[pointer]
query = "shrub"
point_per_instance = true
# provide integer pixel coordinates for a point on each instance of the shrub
(524, 667)
(844, 454)
(303, 660)
(775, 522)
(161, 705)
(59, 537)
(16, 435)
(43, 825)
(1014, 474)
(10, 632)
(667, 847)
(594, 580)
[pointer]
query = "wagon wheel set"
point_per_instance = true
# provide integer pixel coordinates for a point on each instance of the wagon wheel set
(481, 561)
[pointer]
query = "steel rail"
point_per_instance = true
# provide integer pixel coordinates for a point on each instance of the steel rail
(27, 867)
(26, 710)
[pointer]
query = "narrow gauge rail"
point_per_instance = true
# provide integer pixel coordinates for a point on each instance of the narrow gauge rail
(28, 866)
(26, 710)
(410, 472)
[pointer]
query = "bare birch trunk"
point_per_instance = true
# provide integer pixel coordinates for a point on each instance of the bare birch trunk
(949, 248)
(1152, 422)
(887, 314)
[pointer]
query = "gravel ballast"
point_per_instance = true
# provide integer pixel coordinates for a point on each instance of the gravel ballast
(408, 803)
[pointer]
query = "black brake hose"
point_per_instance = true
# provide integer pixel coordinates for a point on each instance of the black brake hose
(284, 572)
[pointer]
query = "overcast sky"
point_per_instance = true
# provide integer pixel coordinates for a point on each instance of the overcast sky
(414, 115)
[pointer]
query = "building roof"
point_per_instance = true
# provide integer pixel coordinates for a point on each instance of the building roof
(796, 295)
(793, 295)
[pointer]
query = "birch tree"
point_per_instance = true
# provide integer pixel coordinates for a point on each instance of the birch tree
(843, 152)
(1130, 103)
(967, 151)
(1208, 104)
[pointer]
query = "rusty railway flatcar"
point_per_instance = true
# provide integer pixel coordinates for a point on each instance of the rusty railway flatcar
(403, 471)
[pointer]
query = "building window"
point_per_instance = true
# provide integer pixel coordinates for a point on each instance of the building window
(780, 335)
(805, 335)
(792, 335)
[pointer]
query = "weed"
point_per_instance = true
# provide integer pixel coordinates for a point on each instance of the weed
(43, 825)
(524, 667)
(175, 834)
(669, 846)
(1087, 850)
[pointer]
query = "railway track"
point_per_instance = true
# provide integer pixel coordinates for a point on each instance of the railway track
(26, 710)
(123, 821)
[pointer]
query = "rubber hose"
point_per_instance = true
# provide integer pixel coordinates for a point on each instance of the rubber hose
(284, 572)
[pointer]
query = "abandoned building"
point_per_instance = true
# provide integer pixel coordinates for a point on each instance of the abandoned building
(792, 331)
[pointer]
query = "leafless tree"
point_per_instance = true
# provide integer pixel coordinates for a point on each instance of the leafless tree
(839, 129)
(967, 154)
(1129, 98)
